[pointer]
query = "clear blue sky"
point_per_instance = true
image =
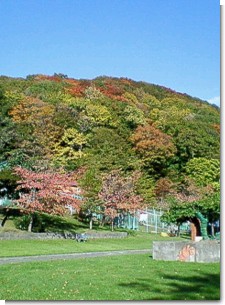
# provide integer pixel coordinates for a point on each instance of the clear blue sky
(174, 43)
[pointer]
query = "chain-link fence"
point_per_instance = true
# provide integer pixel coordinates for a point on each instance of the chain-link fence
(148, 220)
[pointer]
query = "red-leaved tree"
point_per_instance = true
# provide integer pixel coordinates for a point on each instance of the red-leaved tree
(118, 195)
(47, 192)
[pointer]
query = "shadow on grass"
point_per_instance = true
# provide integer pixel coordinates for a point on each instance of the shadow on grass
(203, 286)
(57, 224)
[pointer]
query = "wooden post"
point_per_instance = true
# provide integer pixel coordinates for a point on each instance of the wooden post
(193, 231)
(195, 228)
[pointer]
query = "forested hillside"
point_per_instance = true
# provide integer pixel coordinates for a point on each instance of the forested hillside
(166, 143)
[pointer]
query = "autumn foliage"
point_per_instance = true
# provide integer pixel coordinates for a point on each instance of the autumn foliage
(118, 195)
(113, 127)
(48, 192)
(155, 147)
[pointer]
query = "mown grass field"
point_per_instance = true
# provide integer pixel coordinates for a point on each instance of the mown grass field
(38, 247)
(127, 277)
(111, 278)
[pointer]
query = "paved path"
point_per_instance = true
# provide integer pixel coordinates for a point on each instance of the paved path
(37, 258)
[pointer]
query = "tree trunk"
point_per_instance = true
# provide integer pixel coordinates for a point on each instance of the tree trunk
(102, 222)
(91, 223)
(112, 228)
(212, 229)
(30, 224)
(133, 222)
(4, 220)
(178, 231)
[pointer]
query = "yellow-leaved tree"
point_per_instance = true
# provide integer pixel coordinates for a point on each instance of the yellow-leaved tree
(70, 147)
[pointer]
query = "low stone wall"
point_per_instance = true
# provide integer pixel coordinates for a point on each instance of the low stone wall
(27, 235)
(202, 251)
(107, 235)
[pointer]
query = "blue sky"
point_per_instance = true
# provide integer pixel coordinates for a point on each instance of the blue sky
(174, 43)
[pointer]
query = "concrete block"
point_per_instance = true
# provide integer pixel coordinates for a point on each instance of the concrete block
(187, 251)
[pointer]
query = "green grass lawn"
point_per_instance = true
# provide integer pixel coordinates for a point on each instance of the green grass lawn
(127, 277)
(37, 247)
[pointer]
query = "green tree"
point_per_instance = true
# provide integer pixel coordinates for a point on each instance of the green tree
(108, 150)
(92, 93)
(91, 183)
(98, 114)
(203, 171)
(145, 186)
(8, 100)
(194, 139)
(46, 90)
(8, 182)
(180, 212)
(134, 116)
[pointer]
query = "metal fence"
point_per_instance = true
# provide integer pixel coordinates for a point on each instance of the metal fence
(148, 220)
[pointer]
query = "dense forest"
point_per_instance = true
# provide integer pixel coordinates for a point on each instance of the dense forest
(128, 143)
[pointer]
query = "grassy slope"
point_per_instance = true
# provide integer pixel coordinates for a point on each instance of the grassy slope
(37, 247)
(135, 277)
(23, 247)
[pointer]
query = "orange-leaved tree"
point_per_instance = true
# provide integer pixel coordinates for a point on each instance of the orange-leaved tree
(155, 147)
